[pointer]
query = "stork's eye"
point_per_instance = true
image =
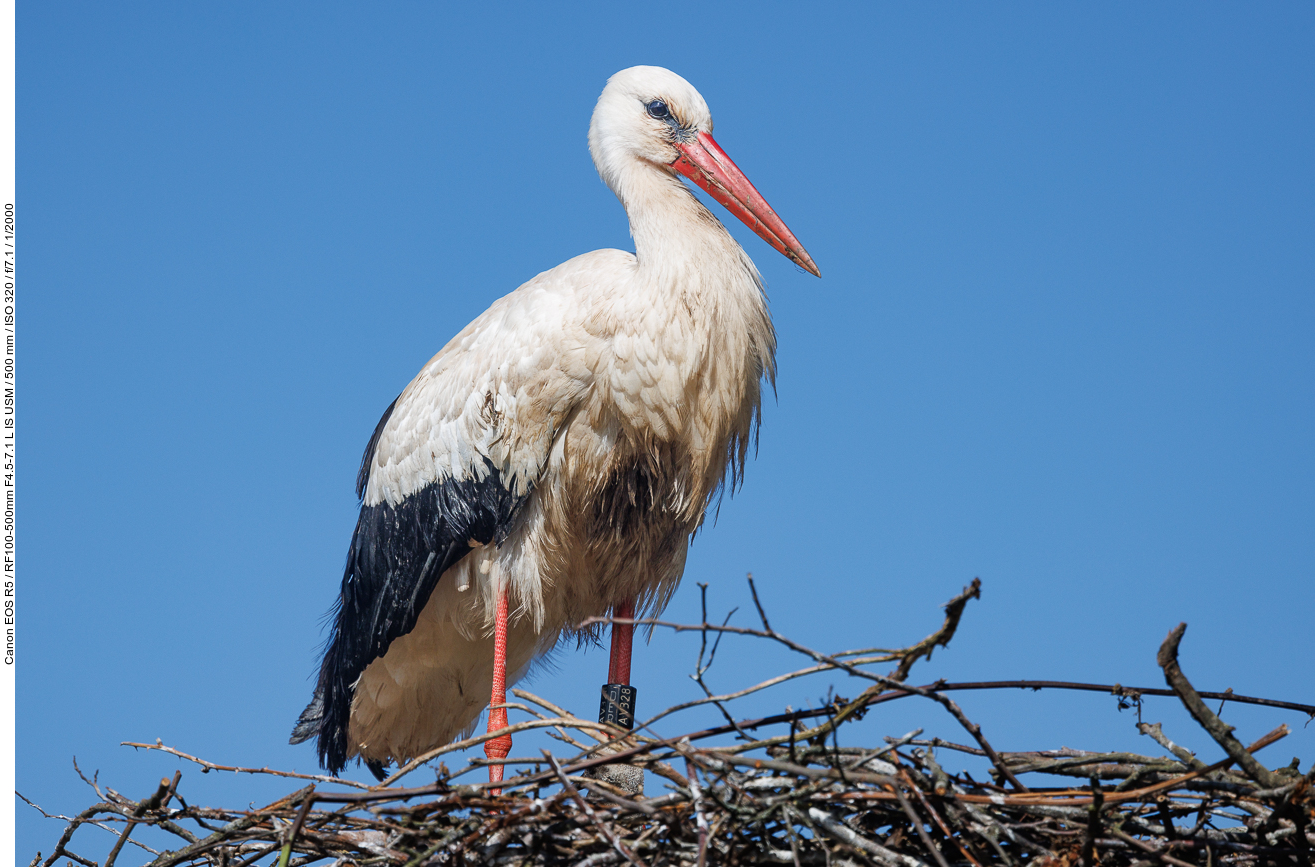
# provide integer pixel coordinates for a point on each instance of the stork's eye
(658, 109)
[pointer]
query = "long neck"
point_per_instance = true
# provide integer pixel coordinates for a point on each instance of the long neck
(672, 230)
(683, 250)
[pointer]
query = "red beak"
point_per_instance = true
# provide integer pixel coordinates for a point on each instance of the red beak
(706, 164)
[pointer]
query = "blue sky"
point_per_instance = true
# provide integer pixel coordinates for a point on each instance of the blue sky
(1063, 342)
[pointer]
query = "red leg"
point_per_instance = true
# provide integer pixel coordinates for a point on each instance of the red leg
(623, 636)
(617, 706)
(498, 748)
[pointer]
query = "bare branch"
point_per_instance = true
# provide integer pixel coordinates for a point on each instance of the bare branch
(211, 766)
(1221, 732)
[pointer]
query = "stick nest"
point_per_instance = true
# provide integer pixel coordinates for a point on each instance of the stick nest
(776, 790)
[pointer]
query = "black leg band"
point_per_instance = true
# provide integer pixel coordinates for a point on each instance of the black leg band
(618, 705)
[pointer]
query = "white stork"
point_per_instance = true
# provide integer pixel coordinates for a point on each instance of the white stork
(552, 461)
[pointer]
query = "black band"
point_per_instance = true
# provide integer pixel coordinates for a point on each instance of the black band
(618, 705)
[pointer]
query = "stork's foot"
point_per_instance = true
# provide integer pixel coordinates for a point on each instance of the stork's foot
(497, 748)
(627, 778)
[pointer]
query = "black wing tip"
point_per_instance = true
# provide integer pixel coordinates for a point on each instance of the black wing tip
(379, 769)
(309, 723)
(332, 751)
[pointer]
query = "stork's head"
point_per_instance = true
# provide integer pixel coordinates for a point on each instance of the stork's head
(649, 118)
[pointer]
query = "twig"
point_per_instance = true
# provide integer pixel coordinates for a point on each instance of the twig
(92, 782)
(838, 830)
(306, 804)
(561, 712)
(922, 832)
(1184, 755)
(1093, 824)
(696, 793)
(571, 722)
(1158, 854)
(1221, 732)
(211, 766)
(770, 682)
(701, 669)
(151, 803)
(762, 615)
(85, 818)
(242, 823)
(584, 805)
(1117, 689)
(940, 822)
(941, 637)
(863, 700)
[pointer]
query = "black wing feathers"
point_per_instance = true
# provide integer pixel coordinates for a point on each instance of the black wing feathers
(397, 555)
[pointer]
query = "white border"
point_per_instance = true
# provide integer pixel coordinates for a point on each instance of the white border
(8, 706)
